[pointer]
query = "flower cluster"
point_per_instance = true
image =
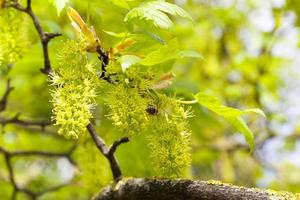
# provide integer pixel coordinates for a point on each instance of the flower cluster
(169, 139)
(13, 36)
(74, 92)
(127, 109)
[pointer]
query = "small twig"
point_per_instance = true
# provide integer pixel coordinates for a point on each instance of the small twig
(117, 143)
(37, 153)
(10, 169)
(3, 101)
(104, 58)
(17, 121)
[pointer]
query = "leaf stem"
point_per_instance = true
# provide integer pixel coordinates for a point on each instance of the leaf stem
(188, 102)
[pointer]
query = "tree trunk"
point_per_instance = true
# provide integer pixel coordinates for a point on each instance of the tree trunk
(164, 189)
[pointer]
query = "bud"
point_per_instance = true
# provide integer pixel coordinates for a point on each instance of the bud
(2, 3)
(81, 28)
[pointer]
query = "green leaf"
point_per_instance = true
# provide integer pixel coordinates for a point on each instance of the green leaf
(59, 5)
(117, 35)
(216, 106)
(155, 11)
(232, 115)
(256, 110)
(120, 3)
(159, 19)
(188, 54)
(163, 54)
(240, 125)
(168, 52)
(169, 8)
(128, 60)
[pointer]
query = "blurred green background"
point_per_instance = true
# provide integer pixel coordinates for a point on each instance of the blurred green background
(251, 59)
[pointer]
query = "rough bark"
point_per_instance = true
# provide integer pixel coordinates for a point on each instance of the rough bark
(163, 189)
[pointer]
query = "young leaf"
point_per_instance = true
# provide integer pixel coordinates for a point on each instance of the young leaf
(163, 54)
(128, 60)
(155, 11)
(59, 5)
(81, 27)
(168, 52)
(158, 18)
(255, 110)
(169, 8)
(188, 54)
(120, 3)
(232, 115)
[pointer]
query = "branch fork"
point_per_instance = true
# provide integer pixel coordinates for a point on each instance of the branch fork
(108, 152)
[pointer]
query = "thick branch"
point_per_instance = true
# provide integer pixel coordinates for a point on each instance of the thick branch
(163, 189)
(108, 152)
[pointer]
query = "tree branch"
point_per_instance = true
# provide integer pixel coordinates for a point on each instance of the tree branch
(37, 153)
(164, 189)
(98, 141)
(17, 121)
(8, 155)
(108, 152)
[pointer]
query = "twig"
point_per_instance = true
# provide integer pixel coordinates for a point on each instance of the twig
(37, 153)
(117, 143)
(3, 101)
(104, 58)
(17, 121)
(108, 152)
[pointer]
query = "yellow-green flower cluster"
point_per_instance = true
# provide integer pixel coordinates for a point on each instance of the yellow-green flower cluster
(13, 36)
(169, 139)
(75, 83)
(134, 108)
(127, 109)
